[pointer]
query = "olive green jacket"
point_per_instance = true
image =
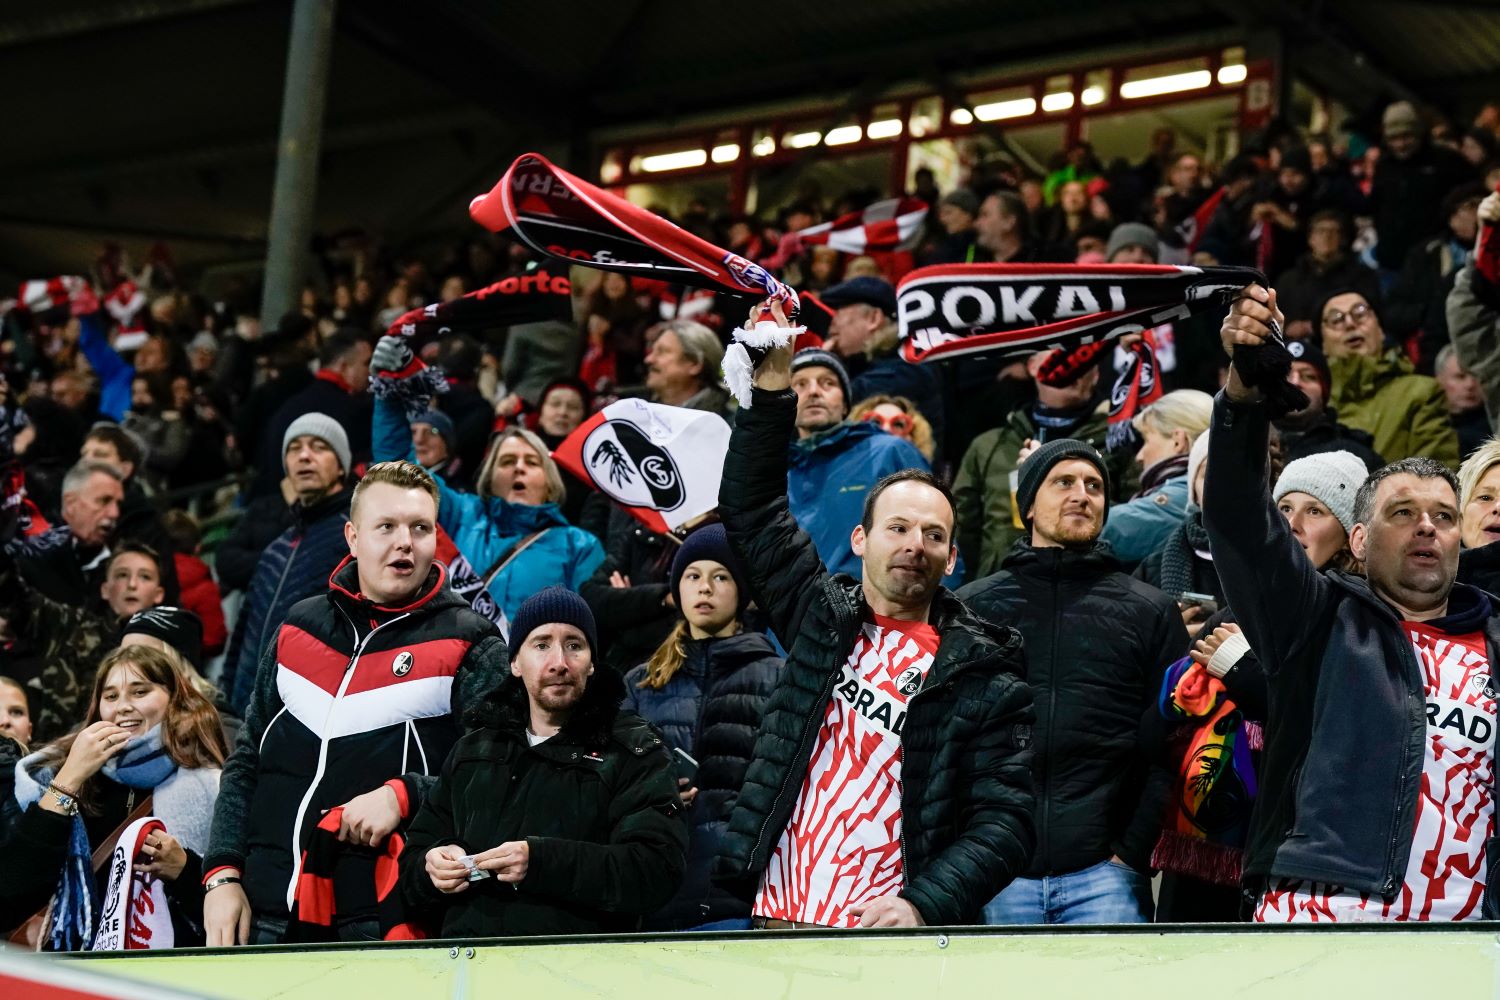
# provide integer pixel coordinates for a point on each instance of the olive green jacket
(1406, 413)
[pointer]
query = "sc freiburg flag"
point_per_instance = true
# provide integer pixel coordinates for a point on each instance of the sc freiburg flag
(661, 463)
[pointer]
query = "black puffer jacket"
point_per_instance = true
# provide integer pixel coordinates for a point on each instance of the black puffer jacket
(596, 804)
(966, 798)
(1097, 643)
(711, 708)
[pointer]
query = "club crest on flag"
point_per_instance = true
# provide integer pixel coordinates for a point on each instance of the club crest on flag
(629, 469)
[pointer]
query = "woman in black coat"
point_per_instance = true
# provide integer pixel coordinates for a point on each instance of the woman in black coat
(706, 688)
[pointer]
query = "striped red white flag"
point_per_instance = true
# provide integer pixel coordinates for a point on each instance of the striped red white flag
(893, 224)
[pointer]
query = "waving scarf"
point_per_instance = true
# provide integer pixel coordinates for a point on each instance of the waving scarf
(885, 225)
(1217, 784)
(1138, 386)
(563, 216)
(1004, 310)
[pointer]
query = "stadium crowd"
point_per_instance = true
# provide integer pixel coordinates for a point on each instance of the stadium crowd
(953, 649)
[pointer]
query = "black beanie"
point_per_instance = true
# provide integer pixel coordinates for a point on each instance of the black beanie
(709, 542)
(177, 627)
(1034, 471)
(553, 606)
(816, 357)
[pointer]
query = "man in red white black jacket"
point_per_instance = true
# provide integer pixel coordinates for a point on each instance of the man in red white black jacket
(356, 705)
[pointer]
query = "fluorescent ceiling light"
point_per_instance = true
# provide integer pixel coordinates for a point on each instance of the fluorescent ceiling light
(843, 135)
(1231, 74)
(1093, 95)
(1057, 102)
(764, 146)
(1157, 85)
(885, 129)
(802, 140)
(960, 116)
(674, 161)
(727, 153)
(996, 110)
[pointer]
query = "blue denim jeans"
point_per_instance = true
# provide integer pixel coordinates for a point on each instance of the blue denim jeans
(1107, 893)
(731, 924)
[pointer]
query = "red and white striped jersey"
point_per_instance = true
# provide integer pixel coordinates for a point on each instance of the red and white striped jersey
(842, 846)
(1445, 875)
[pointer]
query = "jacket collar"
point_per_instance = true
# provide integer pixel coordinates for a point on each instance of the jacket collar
(510, 518)
(338, 503)
(507, 709)
(1469, 608)
(837, 438)
(1359, 376)
(1028, 560)
(343, 586)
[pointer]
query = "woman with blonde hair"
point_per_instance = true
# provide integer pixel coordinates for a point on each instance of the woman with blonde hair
(511, 529)
(705, 688)
(1479, 509)
(1168, 429)
(899, 416)
(147, 733)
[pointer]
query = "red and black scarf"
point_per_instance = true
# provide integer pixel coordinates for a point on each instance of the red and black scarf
(1076, 310)
(314, 907)
(563, 216)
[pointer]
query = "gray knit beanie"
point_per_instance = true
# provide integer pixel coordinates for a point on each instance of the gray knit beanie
(1133, 234)
(1332, 477)
(319, 425)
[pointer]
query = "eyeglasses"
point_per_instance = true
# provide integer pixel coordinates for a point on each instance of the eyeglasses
(900, 424)
(1339, 320)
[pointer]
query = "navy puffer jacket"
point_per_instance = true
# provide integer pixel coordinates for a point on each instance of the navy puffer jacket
(711, 708)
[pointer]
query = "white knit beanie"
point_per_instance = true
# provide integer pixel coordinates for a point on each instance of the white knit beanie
(1333, 477)
(1196, 456)
(319, 425)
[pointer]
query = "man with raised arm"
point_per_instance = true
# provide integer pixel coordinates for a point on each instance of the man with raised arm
(891, 783)
(1378, 785)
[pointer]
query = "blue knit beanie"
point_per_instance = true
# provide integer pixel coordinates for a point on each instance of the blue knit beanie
(709, 542)
(552, 606)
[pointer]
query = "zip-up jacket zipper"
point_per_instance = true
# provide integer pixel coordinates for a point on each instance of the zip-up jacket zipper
(323, 740)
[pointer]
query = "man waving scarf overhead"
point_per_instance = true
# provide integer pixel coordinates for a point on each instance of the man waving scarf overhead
(560, 215)
(1074, 310)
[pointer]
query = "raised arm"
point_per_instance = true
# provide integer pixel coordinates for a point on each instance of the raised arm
(784, 568)
(1268, 579)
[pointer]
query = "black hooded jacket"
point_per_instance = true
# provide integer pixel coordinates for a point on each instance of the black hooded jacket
(597, 805)
(1097, 644)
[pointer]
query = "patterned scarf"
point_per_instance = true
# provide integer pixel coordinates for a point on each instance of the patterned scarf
(1217, 784)
(1138, 386)
(1005, 310)
(142, 765)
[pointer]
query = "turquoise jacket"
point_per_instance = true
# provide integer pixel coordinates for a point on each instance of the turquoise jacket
(483, 528)
(1138, 528)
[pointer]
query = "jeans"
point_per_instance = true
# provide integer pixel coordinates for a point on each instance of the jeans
(731, 924)
(1106, 893)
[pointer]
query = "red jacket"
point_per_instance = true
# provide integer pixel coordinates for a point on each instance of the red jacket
(200, 595)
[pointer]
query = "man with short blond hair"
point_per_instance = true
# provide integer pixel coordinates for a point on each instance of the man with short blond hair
(355, 707)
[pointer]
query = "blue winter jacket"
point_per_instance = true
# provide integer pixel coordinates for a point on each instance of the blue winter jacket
(483, 528)
(890, 375)
(1138, 528)
(296, 565)
(829, 476)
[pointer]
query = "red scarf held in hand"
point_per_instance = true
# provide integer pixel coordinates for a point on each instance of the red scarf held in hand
(563, 216)
(314, 905)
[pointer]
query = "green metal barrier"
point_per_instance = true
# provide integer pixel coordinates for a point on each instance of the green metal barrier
(1152, 963)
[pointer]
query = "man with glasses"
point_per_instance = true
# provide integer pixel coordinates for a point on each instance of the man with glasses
(1376, 389)
(1327, 267)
